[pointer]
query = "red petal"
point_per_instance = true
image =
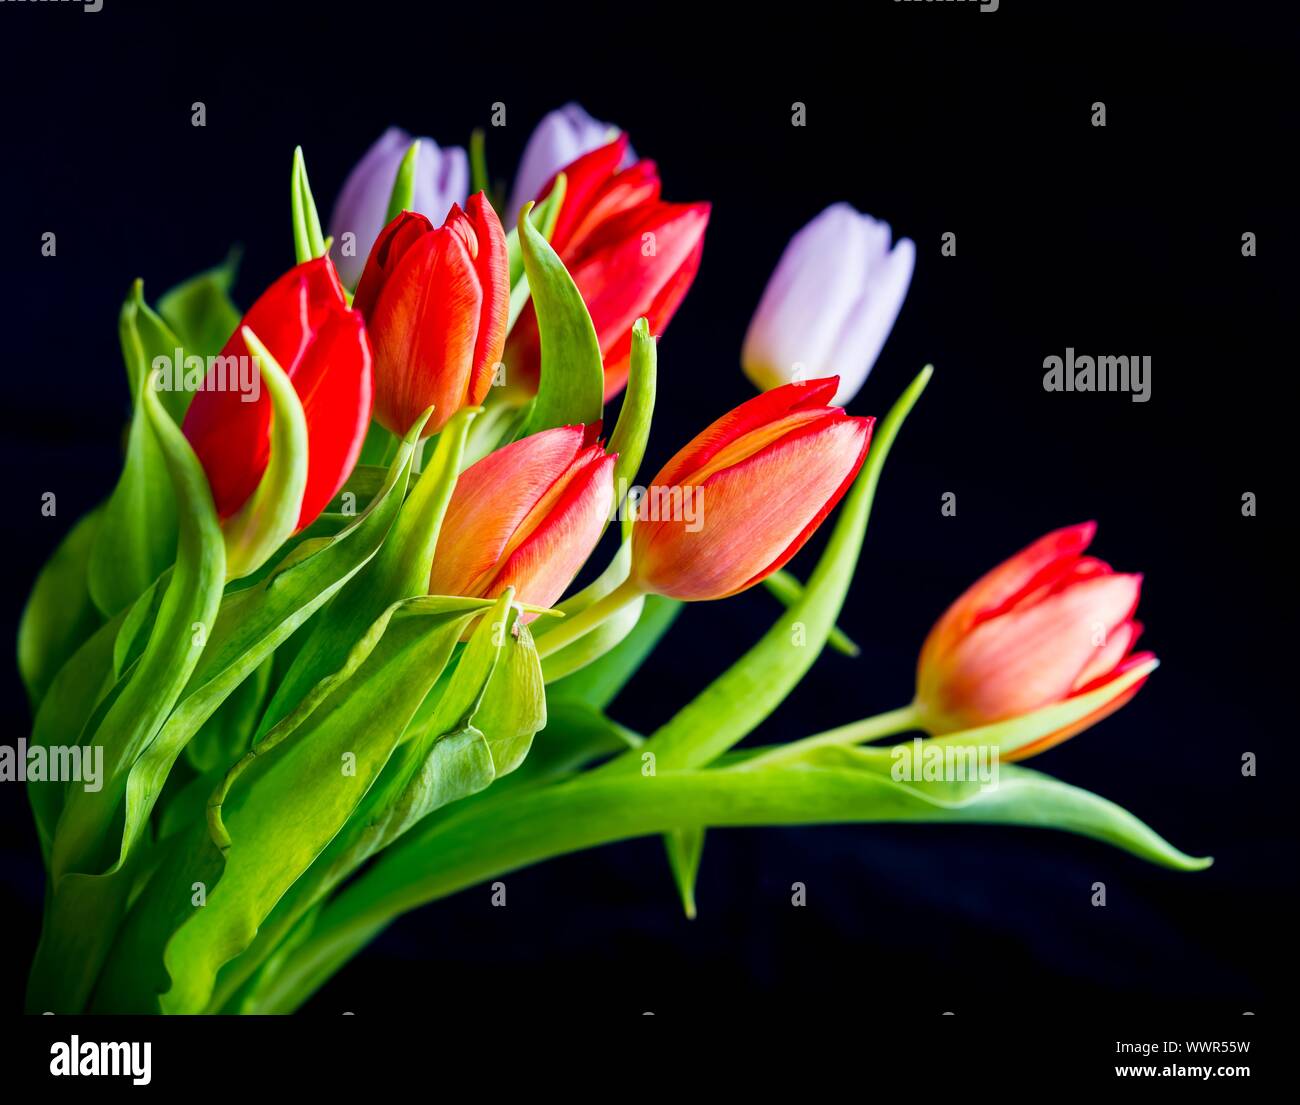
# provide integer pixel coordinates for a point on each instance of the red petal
(492, 264)
(389, 248)
(423, 328)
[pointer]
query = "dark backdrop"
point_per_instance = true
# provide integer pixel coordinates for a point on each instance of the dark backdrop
(937, 118)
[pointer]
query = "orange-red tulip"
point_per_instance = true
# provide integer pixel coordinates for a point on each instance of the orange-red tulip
(527, 517)
(436, 304)
(760, 480)
(1044, 626)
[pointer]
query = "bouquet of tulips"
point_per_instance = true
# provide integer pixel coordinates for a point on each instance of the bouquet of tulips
(317, 660)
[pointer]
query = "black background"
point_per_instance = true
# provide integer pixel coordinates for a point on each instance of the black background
(936, 118)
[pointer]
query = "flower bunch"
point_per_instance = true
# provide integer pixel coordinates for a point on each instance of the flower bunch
(323, 637)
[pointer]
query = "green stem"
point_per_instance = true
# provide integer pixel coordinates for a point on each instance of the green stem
(571, 629)
(856, 732)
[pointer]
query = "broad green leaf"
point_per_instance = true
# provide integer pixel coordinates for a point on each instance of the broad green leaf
(270, 515)
(73, 696)
(200, 311)
(572, 385)
(135, 539)
(830, 785)
(400, 570)
(60, 614)
(308, 241)
(278, 817)
(479, 727)
(84, 905)
(228, 733)
(402, 197)
(253, 624)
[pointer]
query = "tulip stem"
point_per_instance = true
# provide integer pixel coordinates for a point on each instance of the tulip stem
(856, 732)
(582, 623)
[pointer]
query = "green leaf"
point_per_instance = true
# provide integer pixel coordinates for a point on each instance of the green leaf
(633, 428)
(200, 311)
(478, 172)
(136, 536)
(85, 906)
(281, 814)
(308, 241)
(270, 515)
(788, 590)
(252, 625)
(228, 733)
(543, 216)
(831, 785)
(400, 570)
(572, 386)
(477, 724)
(60, 614)
(402, 197)
(685, 848)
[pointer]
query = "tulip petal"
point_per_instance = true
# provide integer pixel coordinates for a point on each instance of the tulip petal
(750, 415)
(562, 534)
(808, 298)
(491, 500)
(559, 139)
(998, 589)
(775, 498)
(334, 382)
(423, 326)
(1026, 658)
(493, 267)
(871, 318)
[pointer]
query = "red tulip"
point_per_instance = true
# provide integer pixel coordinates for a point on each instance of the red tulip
(760, 479)
(526, 516)
(436, 303)
(1042, 627)
(304, 321)
(629, 253)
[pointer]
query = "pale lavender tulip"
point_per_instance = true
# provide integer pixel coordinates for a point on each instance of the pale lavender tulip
(441, 179)
(560, 138)
(830, 303)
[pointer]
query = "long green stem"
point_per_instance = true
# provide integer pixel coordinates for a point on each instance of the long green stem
(571, 629)
(856, 732)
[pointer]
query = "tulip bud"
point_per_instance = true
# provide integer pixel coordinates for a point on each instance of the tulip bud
(441, 179)
(562, 136)
(830, 303)
(305, 323)
(436, 303)
(629, 253)
(1044, 626)
(527, 517)
(756, 483)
